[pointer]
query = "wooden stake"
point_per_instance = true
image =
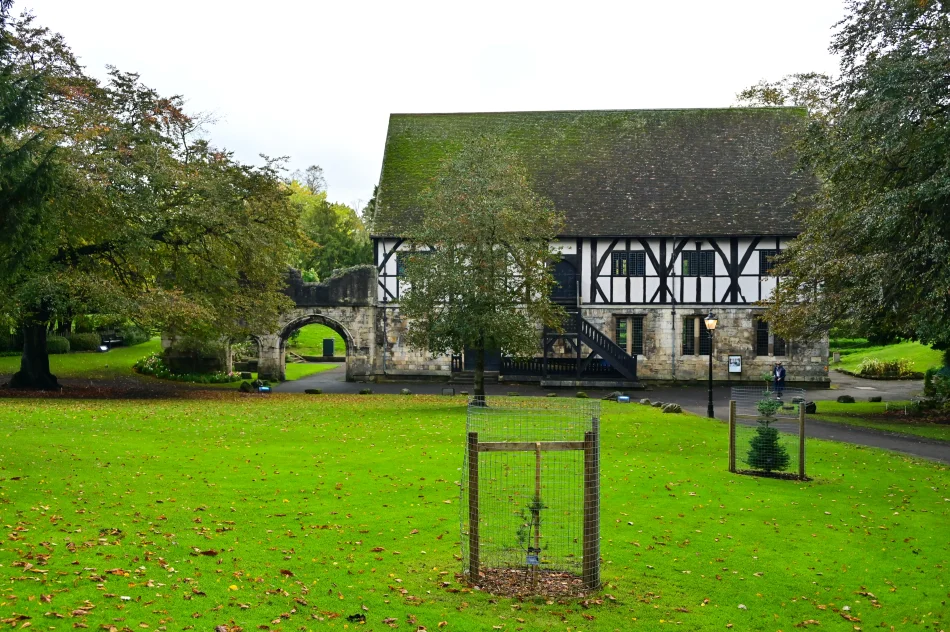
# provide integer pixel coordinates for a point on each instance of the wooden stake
(591, 547)
(536, 511)
(801, 441)
(732, 436)
(473, 507)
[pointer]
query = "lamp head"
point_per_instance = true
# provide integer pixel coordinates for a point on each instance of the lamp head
(711, 321)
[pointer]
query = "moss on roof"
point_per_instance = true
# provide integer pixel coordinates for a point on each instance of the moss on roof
(618, 172)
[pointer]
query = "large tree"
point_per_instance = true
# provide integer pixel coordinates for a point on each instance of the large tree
(874, 251)
(479, 267)
(136, 214)
(333, 234)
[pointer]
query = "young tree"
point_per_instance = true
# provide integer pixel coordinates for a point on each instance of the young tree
(145, 218)
(479, 268)
(874, 252)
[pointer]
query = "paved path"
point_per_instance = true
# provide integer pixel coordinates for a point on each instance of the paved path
(695, 400)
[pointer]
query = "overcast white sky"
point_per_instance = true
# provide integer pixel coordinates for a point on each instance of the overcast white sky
(316, 81)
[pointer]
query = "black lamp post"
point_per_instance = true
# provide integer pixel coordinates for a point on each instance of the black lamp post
(711, 322)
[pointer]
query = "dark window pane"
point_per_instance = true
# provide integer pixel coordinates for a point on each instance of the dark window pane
(400, 264)
(638, 263)
(708, 263)
(619, 264)
(761, 338)
(637, 342)
(689, 338)
(766, 259)
(689, 264)
(705, 340)
(778, 346)
(621, 337)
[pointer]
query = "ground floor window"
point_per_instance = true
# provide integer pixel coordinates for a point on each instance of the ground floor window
(696, 338)
(628, 333)
(762, 336)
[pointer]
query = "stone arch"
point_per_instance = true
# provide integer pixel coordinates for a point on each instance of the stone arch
(312, 319)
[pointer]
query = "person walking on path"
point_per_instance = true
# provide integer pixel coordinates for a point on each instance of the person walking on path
(779, 379)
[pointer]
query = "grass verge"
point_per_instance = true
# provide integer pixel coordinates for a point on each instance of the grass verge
(885, 416)
(854, 350)
(114, 363)
(271, 513)
(309, 341)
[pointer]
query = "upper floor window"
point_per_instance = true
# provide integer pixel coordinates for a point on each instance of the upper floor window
(767, 261)
(699, 263)
(628, 263)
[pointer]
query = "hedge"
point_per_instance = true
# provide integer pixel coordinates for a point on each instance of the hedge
(84, 342)
(57, 344)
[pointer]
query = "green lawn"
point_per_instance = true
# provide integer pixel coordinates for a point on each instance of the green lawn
(863, 413)
(288, 512)
(295, 371)
(310, 341)
(114, 363)
(854, 350)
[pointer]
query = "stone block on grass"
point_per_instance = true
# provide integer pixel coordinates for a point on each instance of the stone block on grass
(845, 399)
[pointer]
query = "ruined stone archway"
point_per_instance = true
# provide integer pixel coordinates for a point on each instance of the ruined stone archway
(345, 304)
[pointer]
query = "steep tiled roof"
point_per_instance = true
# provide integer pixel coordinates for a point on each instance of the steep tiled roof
(619, 172)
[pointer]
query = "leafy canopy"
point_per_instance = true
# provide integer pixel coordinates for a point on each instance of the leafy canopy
(144, 217)
(478, 267)
(874, 252)
(333, 234)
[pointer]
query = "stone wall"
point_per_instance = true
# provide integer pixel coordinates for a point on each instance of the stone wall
(396, 357)
(662, 357)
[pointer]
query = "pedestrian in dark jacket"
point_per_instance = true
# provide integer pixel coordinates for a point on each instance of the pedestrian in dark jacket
(779, 379)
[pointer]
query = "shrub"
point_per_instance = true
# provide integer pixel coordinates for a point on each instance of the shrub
(929, 382)
(132, 334)
(873, 367)
(154, 365)
(57, 344)
(366, 391)
(768, 407)
(84, 342)
(11, 341)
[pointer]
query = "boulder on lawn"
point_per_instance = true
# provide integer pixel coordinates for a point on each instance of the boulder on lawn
(845, 399)
(246, 375)
(612, 396)
(657, 404)
(313, 391)
(366, 391)
(875, 398)
(245, 387)
(811, 408)
(405, 391)
(645, 402)
(551, 395)
(582, 395)
(672, 408)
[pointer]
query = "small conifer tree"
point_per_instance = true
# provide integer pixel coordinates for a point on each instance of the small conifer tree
(765, 450)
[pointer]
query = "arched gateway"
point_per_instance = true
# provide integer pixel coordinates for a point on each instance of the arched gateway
(344, 303)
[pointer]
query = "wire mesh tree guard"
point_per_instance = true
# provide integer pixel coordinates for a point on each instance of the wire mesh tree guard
(775, 444)
(531, 495)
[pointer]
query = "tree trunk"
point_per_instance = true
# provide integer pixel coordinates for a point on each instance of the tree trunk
(34, 363)
(480, 372)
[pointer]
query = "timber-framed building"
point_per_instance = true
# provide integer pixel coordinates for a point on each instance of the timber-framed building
(670, 214)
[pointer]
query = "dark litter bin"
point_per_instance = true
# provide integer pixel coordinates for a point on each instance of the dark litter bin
(328, 344)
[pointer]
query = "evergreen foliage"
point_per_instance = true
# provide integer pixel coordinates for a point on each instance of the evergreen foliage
(766, 452)
(876, 234)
